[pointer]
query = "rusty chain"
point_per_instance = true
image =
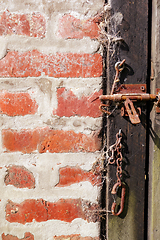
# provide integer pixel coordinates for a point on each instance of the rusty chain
(114, 156)
(119, 66)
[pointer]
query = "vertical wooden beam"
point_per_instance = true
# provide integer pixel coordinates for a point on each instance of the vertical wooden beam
(154, 161)
(134, 30)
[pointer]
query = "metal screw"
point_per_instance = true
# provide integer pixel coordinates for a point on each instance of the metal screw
(142, 88)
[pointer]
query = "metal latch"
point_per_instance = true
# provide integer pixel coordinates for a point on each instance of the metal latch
(127, 97)
(128, 100)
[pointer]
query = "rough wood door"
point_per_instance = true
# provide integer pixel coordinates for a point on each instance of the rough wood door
(154, 131)
(127, 38)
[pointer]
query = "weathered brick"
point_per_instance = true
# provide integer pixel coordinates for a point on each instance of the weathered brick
(38, 25)
(13, 104)
(25, 140)
(74, 237)
(71, 175)
(34, 63)
(70, 105)
(27, 236)
(32, 25)
(71, 27)
(46, 139)
(39, 210)
(19, 177)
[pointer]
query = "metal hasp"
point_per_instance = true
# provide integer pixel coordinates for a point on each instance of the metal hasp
(127, 100)
(133, 93)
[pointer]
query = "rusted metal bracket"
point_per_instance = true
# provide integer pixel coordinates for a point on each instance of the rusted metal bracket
(158, 105)
(127, 95)
(132, 113)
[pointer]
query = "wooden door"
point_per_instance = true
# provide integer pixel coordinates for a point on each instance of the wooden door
(154, 130)
(127, 28)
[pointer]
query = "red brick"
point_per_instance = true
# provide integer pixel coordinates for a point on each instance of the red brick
(39, 210)
(32, 25)
(38, 25)
(74, 237)
(46, 139)
(71, 27)
(19, 177)
(27, 236)
(70, 105)
(70, 175)
(13, 104)
(25, 140)
(34, 63)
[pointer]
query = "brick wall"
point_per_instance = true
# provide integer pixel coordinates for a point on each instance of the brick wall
(49, 123)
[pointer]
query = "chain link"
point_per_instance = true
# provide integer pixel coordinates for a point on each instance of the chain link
(114, 155)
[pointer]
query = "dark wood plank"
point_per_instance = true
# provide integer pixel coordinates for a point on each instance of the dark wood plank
(134, 31)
